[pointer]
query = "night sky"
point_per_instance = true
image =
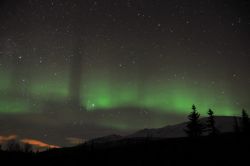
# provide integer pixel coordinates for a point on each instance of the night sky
(78, 69)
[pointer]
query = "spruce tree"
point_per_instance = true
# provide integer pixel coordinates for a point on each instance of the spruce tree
(194, 127)
(211, 123)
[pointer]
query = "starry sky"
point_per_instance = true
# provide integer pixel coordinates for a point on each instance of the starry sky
(74, 70)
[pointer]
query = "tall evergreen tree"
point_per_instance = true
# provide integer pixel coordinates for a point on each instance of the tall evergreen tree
(194, 127)
(245, 122)
(211, 123)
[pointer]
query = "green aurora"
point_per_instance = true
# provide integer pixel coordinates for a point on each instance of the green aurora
(166, 97)
(103, 93)
(85, 69)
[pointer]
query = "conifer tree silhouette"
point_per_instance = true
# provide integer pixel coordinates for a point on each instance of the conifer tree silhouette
(211, 123)
(194, 127)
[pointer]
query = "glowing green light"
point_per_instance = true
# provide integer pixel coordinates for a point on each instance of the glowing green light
(50, 89)
(14, 106)
(103, 92)
(106, 95)
(171, 97)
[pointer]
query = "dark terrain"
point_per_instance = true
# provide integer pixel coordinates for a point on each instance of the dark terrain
(224, 149)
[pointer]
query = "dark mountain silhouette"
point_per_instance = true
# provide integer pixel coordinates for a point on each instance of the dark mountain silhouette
(163, 146)
(223, 123)
(224, 149)
(108, 138)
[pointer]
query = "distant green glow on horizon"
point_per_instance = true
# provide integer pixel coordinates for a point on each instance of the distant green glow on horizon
(14, 106)
(117, 125)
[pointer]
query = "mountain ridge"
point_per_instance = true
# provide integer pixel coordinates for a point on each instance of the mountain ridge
(223, 123)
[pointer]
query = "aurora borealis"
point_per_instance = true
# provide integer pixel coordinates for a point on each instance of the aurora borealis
(108, 93)
(81, 69)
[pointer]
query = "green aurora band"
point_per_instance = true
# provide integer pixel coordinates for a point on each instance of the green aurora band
(166, 97)
(103, 93)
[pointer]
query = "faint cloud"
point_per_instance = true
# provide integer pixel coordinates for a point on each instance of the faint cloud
(4, 139)
(75, 141)
(38, 143)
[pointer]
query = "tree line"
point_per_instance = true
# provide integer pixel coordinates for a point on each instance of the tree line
(195, 127)
(17, 146)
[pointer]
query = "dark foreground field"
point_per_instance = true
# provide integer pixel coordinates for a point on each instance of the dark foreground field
(226, 149)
